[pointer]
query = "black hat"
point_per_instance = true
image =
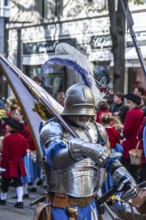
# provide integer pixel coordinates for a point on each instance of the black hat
(13, 123)
(132, 97)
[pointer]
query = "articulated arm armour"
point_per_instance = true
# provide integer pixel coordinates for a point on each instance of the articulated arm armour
(52, 131)
(80, 149)
(73, 150)
(77, 150)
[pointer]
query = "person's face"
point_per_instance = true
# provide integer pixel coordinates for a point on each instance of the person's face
(60, 99)
(83, 118)
(8, 128)
(117, 99)
(136, 92)
(131, 104)
(140, 77)
(12, 112)
(7, 107)
(80, 120)
(17, 115)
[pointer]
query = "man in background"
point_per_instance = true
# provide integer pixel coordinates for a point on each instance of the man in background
(139, 91)
(60, 98)
(118, 108)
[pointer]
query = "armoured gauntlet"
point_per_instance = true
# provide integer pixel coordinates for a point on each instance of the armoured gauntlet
(123, 181)
(80, 149)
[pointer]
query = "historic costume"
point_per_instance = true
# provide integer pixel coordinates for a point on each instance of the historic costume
(112, 132)
(114, 140)
(130, 132)
(14, 148)
(31, 161)
(74, 164)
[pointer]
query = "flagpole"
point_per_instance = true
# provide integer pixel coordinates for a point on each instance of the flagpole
(130, 23)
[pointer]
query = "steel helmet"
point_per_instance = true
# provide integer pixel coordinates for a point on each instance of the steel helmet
(79, 101)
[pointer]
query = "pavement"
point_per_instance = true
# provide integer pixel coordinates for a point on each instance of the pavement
(12, 213)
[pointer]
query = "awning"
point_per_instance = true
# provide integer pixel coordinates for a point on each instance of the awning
(131, 57)
(131, 53)
(35, 59)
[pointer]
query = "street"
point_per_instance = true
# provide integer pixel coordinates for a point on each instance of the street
(12, 213)
(9, 212)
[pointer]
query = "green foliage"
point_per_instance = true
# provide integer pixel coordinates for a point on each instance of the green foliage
(137, 2)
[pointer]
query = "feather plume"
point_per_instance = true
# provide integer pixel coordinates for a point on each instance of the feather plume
(74, 60)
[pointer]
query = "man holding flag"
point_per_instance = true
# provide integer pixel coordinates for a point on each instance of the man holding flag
(75, 148)
(74, 162)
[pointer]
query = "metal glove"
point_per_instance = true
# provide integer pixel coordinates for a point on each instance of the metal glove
(123, 181)
(80, 149)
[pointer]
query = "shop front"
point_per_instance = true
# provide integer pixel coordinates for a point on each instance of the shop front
(90, 35)
(136, 74)
(37, 53)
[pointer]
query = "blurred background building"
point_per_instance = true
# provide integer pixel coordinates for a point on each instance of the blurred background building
(4, 18)
(32, 29)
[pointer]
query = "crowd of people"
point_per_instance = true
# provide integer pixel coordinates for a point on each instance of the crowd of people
(124, 120)
(18, 154)
(82, 160)
(25, 172)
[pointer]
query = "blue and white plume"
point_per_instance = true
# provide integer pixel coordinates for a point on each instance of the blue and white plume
(69, 57)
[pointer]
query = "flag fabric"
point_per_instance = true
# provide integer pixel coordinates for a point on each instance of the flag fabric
(27, 100)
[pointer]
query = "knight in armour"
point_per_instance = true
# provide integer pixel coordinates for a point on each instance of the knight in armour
(75, 164)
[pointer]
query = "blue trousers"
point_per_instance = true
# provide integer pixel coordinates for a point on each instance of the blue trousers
(87, 213)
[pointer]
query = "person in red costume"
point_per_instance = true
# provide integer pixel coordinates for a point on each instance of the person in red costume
(103, 108)
(131, 126)
(13, 149)
(112, 132)
(31, 160)
(114, 143)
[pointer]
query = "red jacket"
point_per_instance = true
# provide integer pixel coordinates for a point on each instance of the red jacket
(113, 135)
(14, 148)
(131, 126)
(26, 133)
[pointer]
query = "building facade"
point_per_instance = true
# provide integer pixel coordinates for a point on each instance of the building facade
(36, 27)
(4, 16)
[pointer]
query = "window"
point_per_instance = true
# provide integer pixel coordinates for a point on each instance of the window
(6, 2)
(46, 8)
